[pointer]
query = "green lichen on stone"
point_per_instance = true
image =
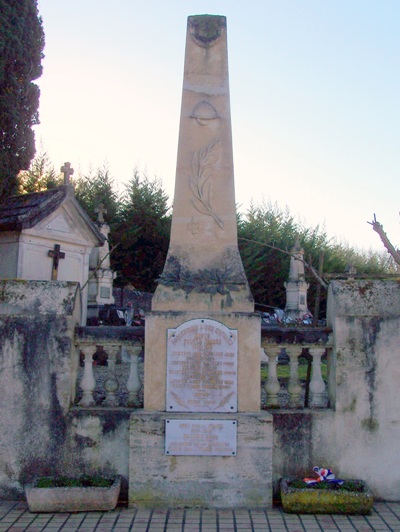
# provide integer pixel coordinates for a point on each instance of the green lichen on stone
(351, 407)
(208, 281)
(356, 498)
(206, 29)
(370, 424)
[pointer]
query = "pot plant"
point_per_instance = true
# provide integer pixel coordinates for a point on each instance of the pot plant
(325, 495)
(81, 494)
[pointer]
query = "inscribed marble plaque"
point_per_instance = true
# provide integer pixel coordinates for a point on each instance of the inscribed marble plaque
(202, 367)
(200, 437)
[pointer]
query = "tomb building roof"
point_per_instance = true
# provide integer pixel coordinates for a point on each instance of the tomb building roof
(26, 210)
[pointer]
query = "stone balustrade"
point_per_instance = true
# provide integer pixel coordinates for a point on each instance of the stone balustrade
(289, 345)
(111, 375)
(111, 370)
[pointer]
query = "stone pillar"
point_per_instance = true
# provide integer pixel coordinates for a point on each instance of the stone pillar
(317, 384)
(88, 382)
(272, 386)
(294, 386)
(133, 384)
(111, 384)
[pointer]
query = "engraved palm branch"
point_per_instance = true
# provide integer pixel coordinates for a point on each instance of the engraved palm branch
(225, 400)
(200, 180)
(179, 400)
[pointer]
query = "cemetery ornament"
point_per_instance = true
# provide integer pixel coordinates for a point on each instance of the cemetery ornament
(323, 475)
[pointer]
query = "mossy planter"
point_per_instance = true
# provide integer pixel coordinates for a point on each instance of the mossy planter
(73, 499)
(310, 500)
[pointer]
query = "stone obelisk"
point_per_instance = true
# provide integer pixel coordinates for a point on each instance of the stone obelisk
(204, 270)
(201, 428)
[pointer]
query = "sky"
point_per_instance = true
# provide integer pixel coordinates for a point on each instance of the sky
(314, 89)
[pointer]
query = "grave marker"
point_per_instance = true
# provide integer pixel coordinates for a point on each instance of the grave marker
(56, 255)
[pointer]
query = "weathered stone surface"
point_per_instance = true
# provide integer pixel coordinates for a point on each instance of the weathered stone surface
(302, 336)
(18, 297)
(358, 437)
(73, 499)
(326, 501)
(205, 481)
(37, 370)
(249, 372)
(40, 434)
(364, 298)
(204, 270)
(121, 334)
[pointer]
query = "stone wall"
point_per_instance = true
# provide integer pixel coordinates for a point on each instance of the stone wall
(40, 433)
(359, 437)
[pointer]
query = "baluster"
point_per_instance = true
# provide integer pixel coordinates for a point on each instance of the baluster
(272, 386)
(111, 384)
(317, 384)
(134, 384)
(88, 382)
(294, 386)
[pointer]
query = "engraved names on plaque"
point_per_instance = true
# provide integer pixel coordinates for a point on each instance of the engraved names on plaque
(202, 367)
(200, 437)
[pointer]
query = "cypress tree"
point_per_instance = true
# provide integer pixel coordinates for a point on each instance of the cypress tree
(21, 53)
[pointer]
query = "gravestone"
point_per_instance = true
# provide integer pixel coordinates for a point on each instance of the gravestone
(201, 428)
(296, 286)
(101, 276)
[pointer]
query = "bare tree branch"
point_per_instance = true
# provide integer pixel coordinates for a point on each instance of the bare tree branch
(378, 227)
(99, 265)
(306, 264)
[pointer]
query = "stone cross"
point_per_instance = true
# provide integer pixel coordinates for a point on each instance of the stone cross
(56, 255)
(101, 211)
(67, 171)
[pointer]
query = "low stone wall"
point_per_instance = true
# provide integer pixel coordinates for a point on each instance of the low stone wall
(359, 437)
(40, 434)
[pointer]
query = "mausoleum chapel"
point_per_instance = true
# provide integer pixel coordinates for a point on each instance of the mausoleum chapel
(187, 409)
(47, 236)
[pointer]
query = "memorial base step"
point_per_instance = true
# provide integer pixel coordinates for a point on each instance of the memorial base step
(159, 478)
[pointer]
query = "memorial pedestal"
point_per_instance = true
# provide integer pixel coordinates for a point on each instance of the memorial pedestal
(165, 480)
(246, 325)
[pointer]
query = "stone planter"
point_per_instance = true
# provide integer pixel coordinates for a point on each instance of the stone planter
(309, 500)
(73, 499)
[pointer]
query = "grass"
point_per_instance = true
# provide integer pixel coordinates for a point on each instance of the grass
(84, 481)
(348, 485)
(283, 371)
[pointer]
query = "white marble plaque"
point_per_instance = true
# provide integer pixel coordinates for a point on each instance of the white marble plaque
(200, 437)
(202, 367)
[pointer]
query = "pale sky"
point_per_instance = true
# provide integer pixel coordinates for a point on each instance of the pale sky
(315, 100)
